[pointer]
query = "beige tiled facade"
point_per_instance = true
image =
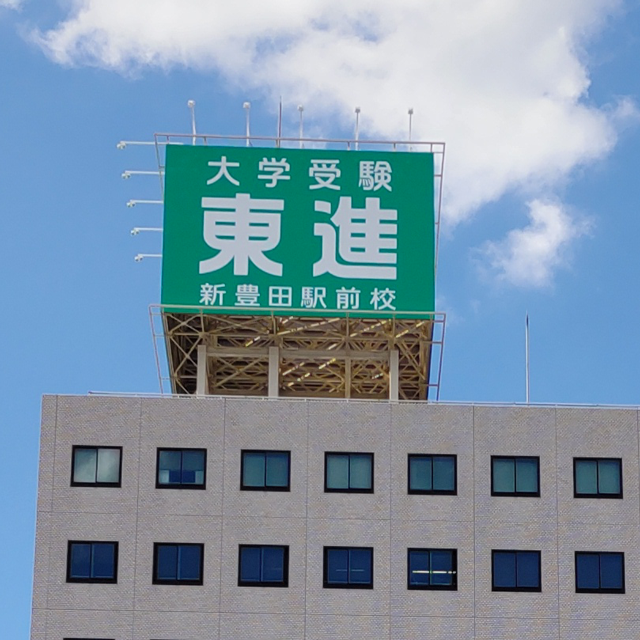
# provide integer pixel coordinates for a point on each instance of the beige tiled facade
(222, 516)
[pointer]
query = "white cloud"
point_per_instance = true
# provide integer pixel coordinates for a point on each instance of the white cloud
(10, 4)
(528, 257)
(503, 82)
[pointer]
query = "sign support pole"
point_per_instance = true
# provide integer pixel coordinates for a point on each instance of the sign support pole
(394, 375)
(202, 383)
(274, 374)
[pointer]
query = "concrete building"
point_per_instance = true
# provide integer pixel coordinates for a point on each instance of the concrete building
(294, 482)
(184, 518)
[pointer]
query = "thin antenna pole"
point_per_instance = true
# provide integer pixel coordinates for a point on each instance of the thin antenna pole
(279, 124)
(247, 107)
(526, 346)
(357, 145)
(410, 112)
(300, 131)
(192, 106)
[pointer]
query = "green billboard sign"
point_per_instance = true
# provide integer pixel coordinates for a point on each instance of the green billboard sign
(298, 231)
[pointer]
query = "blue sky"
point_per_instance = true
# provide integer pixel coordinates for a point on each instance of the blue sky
(538, 106)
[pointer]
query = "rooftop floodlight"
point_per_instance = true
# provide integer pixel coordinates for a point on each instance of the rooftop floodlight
(279, 128)
(136, 230)
(192, 106)
(135, 172)
(410, 112)
(141, 256)
(247, 107)
(133, 203)
(300, 132)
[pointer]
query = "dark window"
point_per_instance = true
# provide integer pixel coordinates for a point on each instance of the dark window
(181, 468)
(92, 561)
(432, 569)
(599, 572)
(265, 470)
(597, 477)
(432, 474)
(263, 565)
(516, 570)
(348, 567)
(96, 466)
(177, 563)
(515, 476)
(348, 472)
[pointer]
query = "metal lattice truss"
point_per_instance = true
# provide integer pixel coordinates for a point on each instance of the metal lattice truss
(270, 355)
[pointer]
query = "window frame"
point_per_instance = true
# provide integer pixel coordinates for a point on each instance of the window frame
(598, 495)
(433, 587)
(177, 581)
(348, 454)
(90, 580)
(180, 485)
(433, 492)
(599, 554)
(265, 487)
(516, 588)
(97, 448)
(515, 493)
(345, 585)
(284, 583)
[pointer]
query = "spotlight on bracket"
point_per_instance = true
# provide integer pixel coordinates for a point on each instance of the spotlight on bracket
(141, 256)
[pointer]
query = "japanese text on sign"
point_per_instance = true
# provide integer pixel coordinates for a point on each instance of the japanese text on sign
(319, 232)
